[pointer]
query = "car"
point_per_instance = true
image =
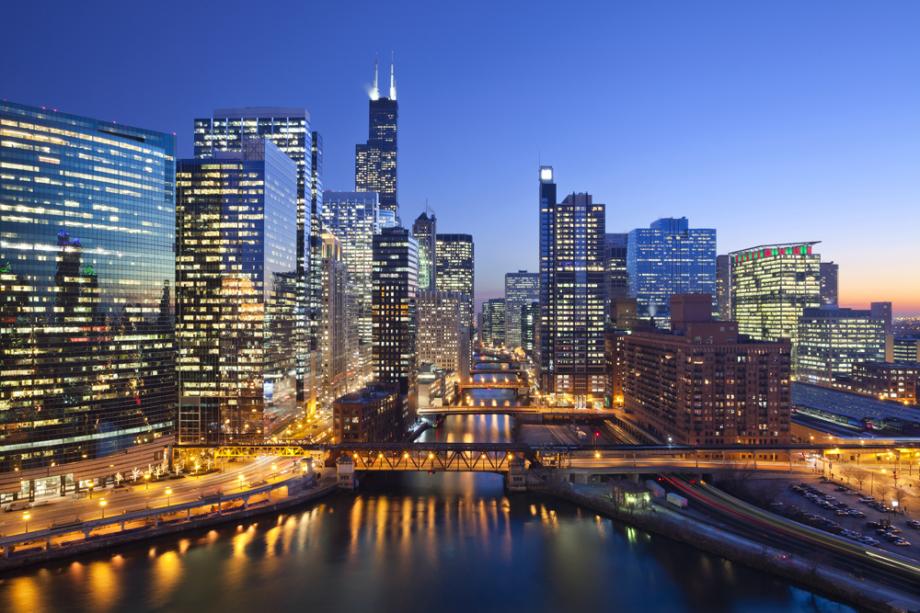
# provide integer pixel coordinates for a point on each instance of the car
(840, 488)
(873, 524)
(868, 540)
(842, 513)
(902, 542)
(914, 523)
(856, 513)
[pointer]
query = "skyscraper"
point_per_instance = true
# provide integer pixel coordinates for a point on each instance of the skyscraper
(425, 231)
(455, 268)
(87, 362)
(572, 292)
(443, 339)
(832, 340)
(829, 294)
(492, 332)
(289, 130)
(393, 309)
(353, 218)
(615, 248)
(667, 258)
(375, 160)
(521, 289)
(771, 287)
(530, 317)
(236, 291)
(337, 335)
(724, 287)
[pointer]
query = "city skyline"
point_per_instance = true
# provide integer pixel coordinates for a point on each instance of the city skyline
(810, 140)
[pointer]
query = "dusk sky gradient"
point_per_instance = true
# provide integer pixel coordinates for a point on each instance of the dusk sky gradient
(771, 122)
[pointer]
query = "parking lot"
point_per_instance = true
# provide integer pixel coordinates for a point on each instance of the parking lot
(843, 511)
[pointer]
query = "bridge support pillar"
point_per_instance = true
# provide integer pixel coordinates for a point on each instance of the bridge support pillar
(516, 479)
(345, 471)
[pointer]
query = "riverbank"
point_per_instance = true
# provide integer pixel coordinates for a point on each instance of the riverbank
(659, 520)
(299, 492)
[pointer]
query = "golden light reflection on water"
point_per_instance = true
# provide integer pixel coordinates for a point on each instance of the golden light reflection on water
(167, 570)
(104, 585)
(26, 594)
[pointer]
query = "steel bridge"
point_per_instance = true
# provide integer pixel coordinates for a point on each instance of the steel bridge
(549, 413)
(498, 457)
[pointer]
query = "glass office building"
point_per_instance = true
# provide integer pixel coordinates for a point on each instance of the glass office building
(237, 289)
(425, 230)
(771, 286)
(666, 259)
(87, 362)
(832, 340)
(353, 217)
(492, 327)
(455, 271)
(521, 288)
(572, 293)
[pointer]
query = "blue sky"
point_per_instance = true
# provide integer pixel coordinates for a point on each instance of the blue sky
(771, 121)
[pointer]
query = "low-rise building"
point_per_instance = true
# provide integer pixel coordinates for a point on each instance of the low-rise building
(372, 414)
(897, 381)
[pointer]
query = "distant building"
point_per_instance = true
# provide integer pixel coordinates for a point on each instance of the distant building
(375, 160)
(455, 272)
(530, 317)
(883, 311)
(667, 258)
(703, 384)
(425, 230)
(907, 349)
(87, 345)
(772, 285)
(236, 291)
(829, 286)
(724, 287)
(492, 332)
(831, 340)
(615, 265)
(370, 415)
(898, 381)
(572, 293)
(337, 334)
(521, 288)
(353, 218)
(393, 313)
(443, 339)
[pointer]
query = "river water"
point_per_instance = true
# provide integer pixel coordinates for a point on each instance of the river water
(412, 542)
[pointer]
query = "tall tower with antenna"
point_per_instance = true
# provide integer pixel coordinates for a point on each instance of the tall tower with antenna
(376, 160)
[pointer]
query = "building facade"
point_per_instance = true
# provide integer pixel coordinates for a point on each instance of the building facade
(668, 258)
(455, 269)
(521, 289)
(375, 160)
(829, 285)
(772, 285)
(832, 340)
(369, 415)
(530, 318)
(425, 230)
(354, 219)
(86, 287)
(337, 335)
(492, 330)
(442, 335)
(572, 292)
(704, 384)
(393, 313)
(615, 265)
(906, 349)
(236, 292)
(724, 287)
(898, 381)
(288, 128)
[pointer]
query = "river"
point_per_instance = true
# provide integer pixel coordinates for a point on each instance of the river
(411, 542)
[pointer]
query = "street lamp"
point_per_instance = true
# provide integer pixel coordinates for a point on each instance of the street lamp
(241, 479)
(102, 504)
(147, 482)
(168, 494)
(26, 516)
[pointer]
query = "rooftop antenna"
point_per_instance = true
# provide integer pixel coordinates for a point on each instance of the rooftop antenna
(392, 75)
(375, 91)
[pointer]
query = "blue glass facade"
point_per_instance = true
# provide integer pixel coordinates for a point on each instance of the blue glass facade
(669, 258)
(237, 289)
(86, 282)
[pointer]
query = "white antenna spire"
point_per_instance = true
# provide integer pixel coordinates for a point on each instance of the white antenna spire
(392, 76)
(375, 91)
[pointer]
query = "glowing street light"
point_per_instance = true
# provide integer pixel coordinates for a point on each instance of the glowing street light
(102, 505)
(242, 480)
(168, 494)
(26, 516)
(147, 482)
